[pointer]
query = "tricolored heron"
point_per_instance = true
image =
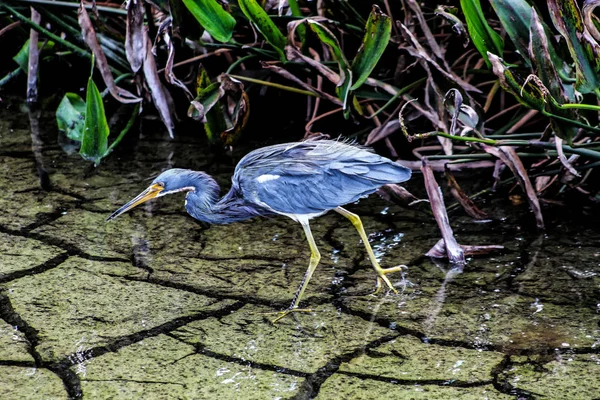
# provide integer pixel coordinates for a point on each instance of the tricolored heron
(299, 180)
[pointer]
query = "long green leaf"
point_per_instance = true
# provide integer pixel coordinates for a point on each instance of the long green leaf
(218, 22)
(582, 46)
(483, 36)
(328, 38)
(377, 36)
(515, 16)
(215, 123)
(259, 17)
(539, 52)
(295, 9)
(70, 116)
(22, 57)
(208, 94)
(547, 73)
(95, 131)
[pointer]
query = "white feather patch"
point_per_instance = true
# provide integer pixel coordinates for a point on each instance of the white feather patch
(183, 189)
(267, 177)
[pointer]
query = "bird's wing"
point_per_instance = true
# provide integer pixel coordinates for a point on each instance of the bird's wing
(312, 177)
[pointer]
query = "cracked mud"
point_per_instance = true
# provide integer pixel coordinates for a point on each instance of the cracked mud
(157, 306)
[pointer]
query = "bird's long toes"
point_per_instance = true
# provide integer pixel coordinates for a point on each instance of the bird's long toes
(397, 268)
(379, 286)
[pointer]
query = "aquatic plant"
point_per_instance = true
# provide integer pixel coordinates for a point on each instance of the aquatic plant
(495, 84)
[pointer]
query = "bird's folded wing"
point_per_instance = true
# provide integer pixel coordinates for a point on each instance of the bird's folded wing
(307, 188)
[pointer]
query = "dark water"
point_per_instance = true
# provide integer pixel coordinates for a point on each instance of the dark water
(155, 305)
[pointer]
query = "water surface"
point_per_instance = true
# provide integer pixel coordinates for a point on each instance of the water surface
(155, 305)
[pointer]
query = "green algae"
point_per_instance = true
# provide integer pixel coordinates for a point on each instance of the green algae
(23, 202)
(19, 253)
(408, 358)
(492, 318)
(171, 369)
(567, 376)
(77, 306)
(13, 344)
(30, 383)
(341, 387)
(304, 342)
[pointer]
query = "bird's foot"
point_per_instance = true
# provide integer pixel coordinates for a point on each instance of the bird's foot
(383, 278)
(281, 314)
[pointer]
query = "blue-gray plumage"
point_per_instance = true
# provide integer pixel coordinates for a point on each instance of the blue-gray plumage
(300, 180)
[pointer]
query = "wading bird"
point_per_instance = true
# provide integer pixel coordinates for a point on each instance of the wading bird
(299, 180)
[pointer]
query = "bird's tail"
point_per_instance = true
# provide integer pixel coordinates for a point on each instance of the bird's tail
(389, 172)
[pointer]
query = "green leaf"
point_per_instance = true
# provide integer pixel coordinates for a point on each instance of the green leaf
(207, 96)
(539, 52)
(547, 73)
(70, 116)
(449, 14)
(259, 17)
(343, 91)
(94, 144)
(206, 107)
(527, 94)
(206, 99)
(295, 9)
(215, 123)
(483, 36)
(515, 16)
(218, 22)
(22, 57)
(582, 46)
(327, 37)
(345, 83)
(534, 95)
(377, 36)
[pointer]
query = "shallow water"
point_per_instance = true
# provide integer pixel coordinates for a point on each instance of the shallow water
(155, 305)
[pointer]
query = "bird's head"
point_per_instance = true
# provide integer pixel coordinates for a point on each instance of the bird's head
(171, 181)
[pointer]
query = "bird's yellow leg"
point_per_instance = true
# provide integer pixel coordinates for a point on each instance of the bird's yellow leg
(315, 257)
(381, 273)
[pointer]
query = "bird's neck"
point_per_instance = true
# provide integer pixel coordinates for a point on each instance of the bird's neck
(204, 204)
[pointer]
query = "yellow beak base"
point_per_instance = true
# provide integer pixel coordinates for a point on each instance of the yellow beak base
(148, 194)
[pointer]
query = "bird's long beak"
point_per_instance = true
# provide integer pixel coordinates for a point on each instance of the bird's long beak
(150, 193)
